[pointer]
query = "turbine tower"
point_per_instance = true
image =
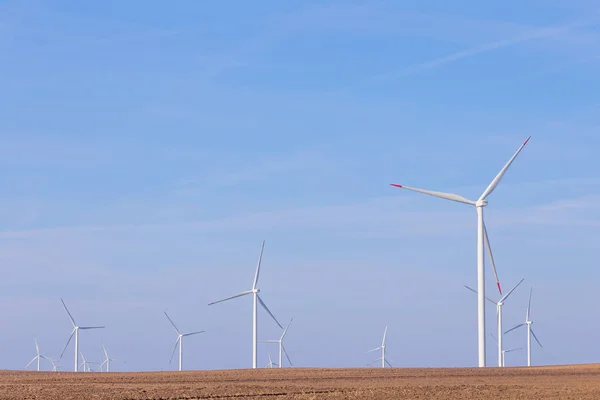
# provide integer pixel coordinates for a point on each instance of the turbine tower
(281, 347)
(481, 233)
(179, 341)
(254, 292)
(37, 357)
(384, 362)
(499, 305)
(530, 331)
(75, 332)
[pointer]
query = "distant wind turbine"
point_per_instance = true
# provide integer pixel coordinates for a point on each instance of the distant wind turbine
(179, 341)
(86, 364)
(254, 292)
(383, 346)
(499, 305)
(271, 364)
(505, 351)
(107, 360)
(75, 332)
(481, 234)
(281, 347)
(37, 357)
(530, 331)
(55, 366)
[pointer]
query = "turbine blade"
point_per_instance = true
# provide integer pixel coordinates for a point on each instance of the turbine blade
(388, 363)
(92, 327)
(105, 352)
(286, 329)
(30, 362)
(475, 291)
(535, 337)
(262, 248)
(262, 303)
(37, 347)
(270, 341)
(375, 349)
(286, 355)
(174, 348)
(442, 195)
(384, 334)
(491, 255)
(511, 290)
(68, 341)
(232, 297)
(192, 333)
(70, 316)
(529, 304)
(498, 177)
(172, 323)
(493, 337)
(509, 350)
(512, 329)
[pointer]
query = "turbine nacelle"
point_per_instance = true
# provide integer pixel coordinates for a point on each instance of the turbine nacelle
(481, 203)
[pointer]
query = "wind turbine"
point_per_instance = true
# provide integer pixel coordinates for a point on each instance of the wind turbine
(37, 357)
(271, 363)
(107, 360)
(382, 347)
(55, 366)
(499, 305)
(179, 340)
(254, 292)
(530, 331)
(505, 351)
(281, 347)
(481, 235)
(75, 332)
(86, 364)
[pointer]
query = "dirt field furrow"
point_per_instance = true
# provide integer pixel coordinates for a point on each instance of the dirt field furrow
(579, 382)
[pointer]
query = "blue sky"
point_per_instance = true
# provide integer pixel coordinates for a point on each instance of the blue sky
(146, 151)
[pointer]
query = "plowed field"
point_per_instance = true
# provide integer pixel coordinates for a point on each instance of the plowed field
(559, 382)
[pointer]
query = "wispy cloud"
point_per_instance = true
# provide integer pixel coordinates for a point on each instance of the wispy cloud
(484, 48)
(385, 216)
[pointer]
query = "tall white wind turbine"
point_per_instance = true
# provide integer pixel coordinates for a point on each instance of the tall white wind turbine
(254, 292)
(75, 332)
(499, 305)
(481, 233)
(281, 346)
(179, 341)
(37, 357)
(383, 346)
(530, 331)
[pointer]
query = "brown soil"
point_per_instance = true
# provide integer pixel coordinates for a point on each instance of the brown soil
(558, 382)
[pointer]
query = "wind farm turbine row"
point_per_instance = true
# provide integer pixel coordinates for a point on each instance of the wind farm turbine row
(484, 242)
(483, 245)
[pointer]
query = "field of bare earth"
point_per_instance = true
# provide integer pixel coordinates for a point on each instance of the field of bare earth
(556, 382)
